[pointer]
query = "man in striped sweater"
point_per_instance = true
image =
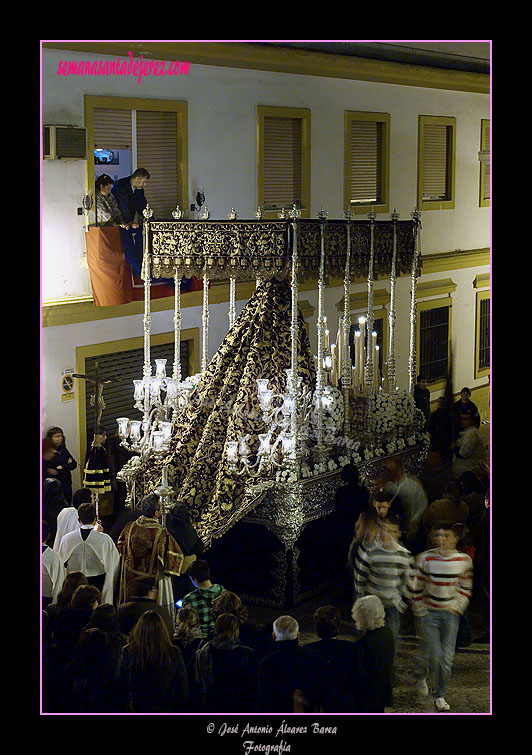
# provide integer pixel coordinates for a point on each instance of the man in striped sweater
(383, 568)
(440, 591)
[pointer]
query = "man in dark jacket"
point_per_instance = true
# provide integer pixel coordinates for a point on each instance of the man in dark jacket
(292, 669)
(179, 526)
(129, 194)
(464, 405)
(422, 396)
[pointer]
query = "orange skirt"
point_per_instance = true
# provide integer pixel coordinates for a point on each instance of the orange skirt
(109, 270)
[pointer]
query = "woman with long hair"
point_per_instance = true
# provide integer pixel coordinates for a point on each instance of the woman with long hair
(90, 673)
(107, 210)
(229, 602)
(226, 670)
(188, 637)
(105, 617)
(151, 675)
(63, 462)
(74, 619)
(72, 581)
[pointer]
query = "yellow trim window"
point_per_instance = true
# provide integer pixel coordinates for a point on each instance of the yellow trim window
(484, 190)
(366, 150)
(436, 162)
(283, 159)
(434, 340)
(141, 133)
(482, 334)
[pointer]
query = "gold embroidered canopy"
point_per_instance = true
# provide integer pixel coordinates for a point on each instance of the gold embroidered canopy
(246, 249)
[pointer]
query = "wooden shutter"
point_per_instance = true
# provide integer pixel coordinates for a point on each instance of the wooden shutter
(365, 162)
(157, 152)
(485, 145)
(112, 129)
(282, 162)
(436, 151)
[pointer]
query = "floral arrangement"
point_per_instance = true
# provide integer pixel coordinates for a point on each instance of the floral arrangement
(382, 413)
(404, 408)
(332, 415)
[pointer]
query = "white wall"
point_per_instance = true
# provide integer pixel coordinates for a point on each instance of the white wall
(222, 158)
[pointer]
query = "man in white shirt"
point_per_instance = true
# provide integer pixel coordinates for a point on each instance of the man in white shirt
(67, 519)
(91, 552)
(440, 591)
(53, 570)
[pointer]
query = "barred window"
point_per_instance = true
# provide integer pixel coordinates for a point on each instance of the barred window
(484, 335)
(434, 343)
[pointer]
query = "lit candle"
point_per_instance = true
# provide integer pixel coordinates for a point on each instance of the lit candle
(232, 450)
(262, 385)
(287, 442)
(374, 356)
(134, 429)
(244, 448)
(171, 388)
(326, 339)
(265, 400)
(139, 390)
(264, 439)
(340, 346)
(157, 440)
(334, 368)
(356, 369)
(160, 368)
(123, 423)
(362, 327)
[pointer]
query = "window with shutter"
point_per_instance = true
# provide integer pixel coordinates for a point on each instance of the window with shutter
(436, 158)
(283, 159)
(157, 152)
(155, 131)
(485, 166)
(282, 162)
(366, 160)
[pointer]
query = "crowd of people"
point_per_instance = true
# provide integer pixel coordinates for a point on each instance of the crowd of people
(134, 622)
